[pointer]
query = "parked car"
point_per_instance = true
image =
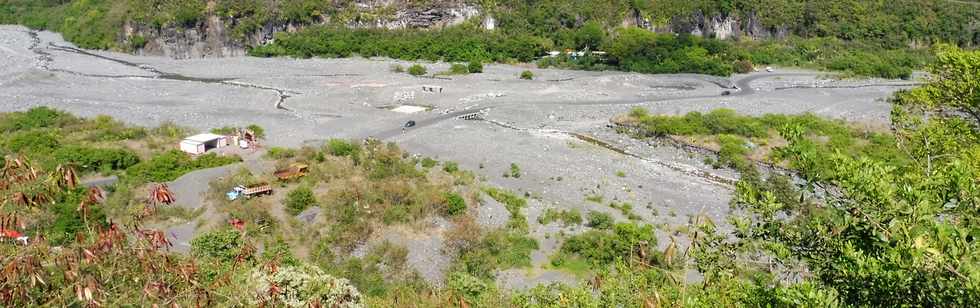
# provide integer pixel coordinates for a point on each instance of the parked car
(410, 124)
(726, 93)
(769, 69)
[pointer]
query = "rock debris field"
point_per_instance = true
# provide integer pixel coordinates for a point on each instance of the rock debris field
(532, 124)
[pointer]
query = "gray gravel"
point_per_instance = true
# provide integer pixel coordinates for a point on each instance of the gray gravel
(191, 188)
(531, 122)
(492, 214)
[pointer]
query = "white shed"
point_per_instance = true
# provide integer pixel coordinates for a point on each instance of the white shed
(198, 144)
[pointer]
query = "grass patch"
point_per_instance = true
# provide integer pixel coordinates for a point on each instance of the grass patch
(566, 217)
(740, 139)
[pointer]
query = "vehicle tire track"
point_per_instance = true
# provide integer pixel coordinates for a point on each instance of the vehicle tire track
(45, 59)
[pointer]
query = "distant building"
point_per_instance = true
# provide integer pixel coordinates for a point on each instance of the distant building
(199, 144)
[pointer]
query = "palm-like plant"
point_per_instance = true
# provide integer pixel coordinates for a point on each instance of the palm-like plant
(22, 184)
(160, 193)
(66, 178)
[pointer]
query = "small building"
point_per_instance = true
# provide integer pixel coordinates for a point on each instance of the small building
(199, 144)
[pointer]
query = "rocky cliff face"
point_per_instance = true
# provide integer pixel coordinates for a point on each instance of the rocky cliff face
(437, 15)
(717, 26)
(212, 37)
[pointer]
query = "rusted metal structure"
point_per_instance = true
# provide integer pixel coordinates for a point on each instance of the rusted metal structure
(295, 170)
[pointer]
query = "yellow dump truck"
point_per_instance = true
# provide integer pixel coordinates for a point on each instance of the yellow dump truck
(295, 170)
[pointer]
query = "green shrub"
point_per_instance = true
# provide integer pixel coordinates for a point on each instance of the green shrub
(474, 67)
(471, 289)
(455, 205)
(417, 70)
(527, 75)
(429, 162)
(515, 171)
(37, 117)
(600, 220)
(732, 152)
(95, 159)
(567, 217)
(279, 250)
(280, 153)
(718, 121)
(68, 220)
(397, 68)
(498, 249)
(744, 66)
(104, 128)
(514, 204)
(450, 166)
(509, 199)
(137, 42)
(33, 141)
(225, 131)
(221, 245)
(597, 198)
(396, 214)
(299, 200)
(458, 69)
(339, 147)
(602, 247)
(170, 165)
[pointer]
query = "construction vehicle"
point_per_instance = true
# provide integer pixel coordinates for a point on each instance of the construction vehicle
(249, 192)
(295, 170)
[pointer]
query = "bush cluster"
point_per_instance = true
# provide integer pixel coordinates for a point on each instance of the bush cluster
(417, 70)
(608, 246)
(95, 159)
(299, 200)
(170, 165)
(566, 217)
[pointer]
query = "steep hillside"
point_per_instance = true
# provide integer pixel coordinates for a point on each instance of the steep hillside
(826, 34)
(196, 28)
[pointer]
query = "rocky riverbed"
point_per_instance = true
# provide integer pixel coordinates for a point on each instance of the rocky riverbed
(536, 125)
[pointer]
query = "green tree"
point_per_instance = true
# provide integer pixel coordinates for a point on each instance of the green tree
(884, 234)
(590, 36)
(954, 84)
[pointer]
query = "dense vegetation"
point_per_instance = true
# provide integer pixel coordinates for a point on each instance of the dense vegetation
(52, 140)
(883, 227)
(737, 138)
(866, 229)
(874, 38)
(99, 145)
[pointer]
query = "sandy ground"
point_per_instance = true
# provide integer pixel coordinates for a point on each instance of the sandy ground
(528, 123)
